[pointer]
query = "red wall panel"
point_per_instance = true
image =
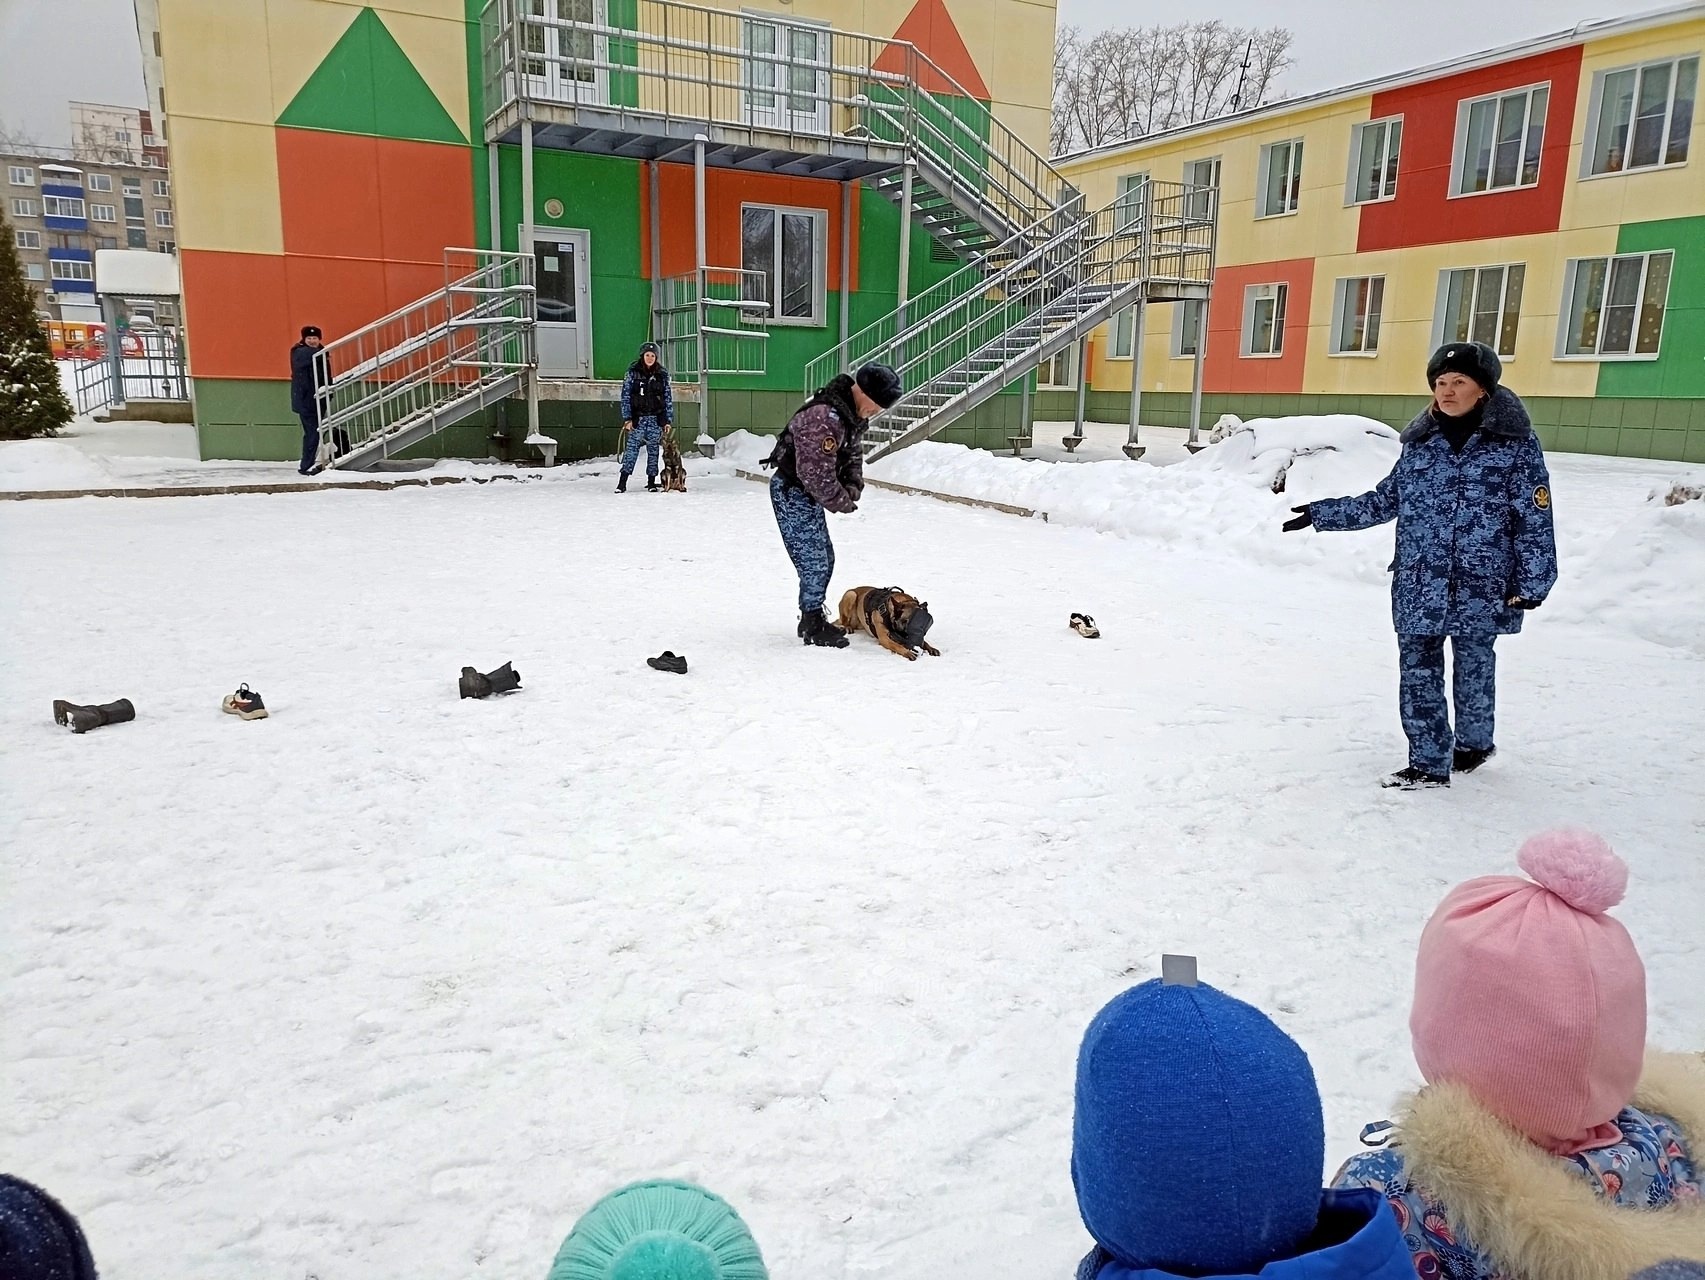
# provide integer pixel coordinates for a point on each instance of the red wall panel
(1423, 211)
(725, 191)
(1226, 368)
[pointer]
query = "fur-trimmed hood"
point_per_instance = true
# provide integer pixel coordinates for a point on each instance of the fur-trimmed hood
(1504, 415)
(1526, 1208)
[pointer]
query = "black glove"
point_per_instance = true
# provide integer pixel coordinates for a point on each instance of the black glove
(1303, 520)
(1522, 602)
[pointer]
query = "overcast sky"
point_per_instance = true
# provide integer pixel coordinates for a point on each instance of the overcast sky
(52, 51)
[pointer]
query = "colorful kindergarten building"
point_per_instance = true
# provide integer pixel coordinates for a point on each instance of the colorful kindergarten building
(1545, 198)
(487, 205)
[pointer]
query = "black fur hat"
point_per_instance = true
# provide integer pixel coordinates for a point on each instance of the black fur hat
(1471, 359)
(880, 383)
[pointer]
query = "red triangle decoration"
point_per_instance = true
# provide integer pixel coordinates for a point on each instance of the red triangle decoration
(930, 27)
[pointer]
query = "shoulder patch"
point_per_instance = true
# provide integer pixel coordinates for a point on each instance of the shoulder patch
(1542, 498)
(829, 446)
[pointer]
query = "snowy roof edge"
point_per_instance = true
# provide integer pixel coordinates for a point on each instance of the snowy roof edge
(137, 272)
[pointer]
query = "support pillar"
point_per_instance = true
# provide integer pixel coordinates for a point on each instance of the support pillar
(1133, 448)
(494, 186)
(846, 274)
(1076, 437)
(908, 181)
(706, 442)
(1194, 443)
(115, 349)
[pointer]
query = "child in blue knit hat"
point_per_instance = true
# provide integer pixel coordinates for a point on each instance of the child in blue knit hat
(39, 1239)
(1198, 1149)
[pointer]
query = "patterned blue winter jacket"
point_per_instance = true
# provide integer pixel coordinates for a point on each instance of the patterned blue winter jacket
(1473, 528)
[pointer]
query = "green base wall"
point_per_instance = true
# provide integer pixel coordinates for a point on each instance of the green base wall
(1668, 429)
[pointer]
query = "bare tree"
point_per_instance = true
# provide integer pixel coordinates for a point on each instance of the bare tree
(16, 139)
(1126, 82)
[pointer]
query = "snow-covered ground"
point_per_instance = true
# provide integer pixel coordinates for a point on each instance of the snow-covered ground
(396, 984)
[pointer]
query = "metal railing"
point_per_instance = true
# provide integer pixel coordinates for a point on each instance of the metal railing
(728, 306)
(154, 373)
(420, 362)
(780, 84)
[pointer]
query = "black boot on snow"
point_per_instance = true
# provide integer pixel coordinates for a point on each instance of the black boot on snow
(622, 483)
(1413, 779)
(81, 719)
(504, 680)
(651, 485)
(1468, 759)
(815, 628)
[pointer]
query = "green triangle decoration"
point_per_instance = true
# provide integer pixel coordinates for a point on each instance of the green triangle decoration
(367, 85)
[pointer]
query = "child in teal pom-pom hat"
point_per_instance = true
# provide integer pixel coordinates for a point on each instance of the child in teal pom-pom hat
(659, 1231)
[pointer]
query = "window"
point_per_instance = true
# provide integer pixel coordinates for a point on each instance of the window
(1201, 174)
(1356, 305)
(62, 207)
(162, 217)
(1615, 306)
(1128, 201)
(27, 239)
(1481, 304)
(1279, 183)
(1124, 329)
(1642, 116)
(102, 213)
(133, 209)
(1187, 328)
(66, 269)
(1264, 319)
(786, 74)
(21, 176)
(34, 271)
(168, 246)
(106, 242)
(100, 182)
(786, 247)
(1373, 160)
(1059, 370)
(135, 238)
(1499, 140)
(133, 186)
(22, 208)
(162, 188)
(121, 135)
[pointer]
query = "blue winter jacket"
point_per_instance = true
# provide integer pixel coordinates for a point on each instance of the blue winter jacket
(1356, 1239)
(1473, 528)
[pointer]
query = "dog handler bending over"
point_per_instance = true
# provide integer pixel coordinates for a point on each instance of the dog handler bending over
(819, 464)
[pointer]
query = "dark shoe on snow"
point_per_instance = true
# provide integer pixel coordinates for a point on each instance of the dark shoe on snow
(245, 703)
(1413, 779)
(1468, 759)
(1085, 626)
(667, 661)
(651, 485)
(80, 719)
(622, 483)
(816, 629)
(474, 685)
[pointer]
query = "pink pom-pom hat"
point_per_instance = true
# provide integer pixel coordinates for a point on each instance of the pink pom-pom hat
(1532, 998)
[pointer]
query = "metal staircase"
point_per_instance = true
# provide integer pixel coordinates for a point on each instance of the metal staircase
(431, 364)
(995, 321)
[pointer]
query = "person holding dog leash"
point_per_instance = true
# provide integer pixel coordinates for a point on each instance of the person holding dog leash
(819, 462)
(648, 409)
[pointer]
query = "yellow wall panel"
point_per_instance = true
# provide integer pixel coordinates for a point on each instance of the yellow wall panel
(438, 49)
(225, 186)
(1644, 195)
(448, 10)
(1020, 65)
(215, 55)
(301, 33)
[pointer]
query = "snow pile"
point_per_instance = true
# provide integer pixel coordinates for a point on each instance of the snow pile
(50, 464)
(744, 450)
(1328, 455)
(1649, 577)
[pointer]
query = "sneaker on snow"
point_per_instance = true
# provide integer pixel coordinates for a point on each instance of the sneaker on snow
(245, 703)
(816, 629)
(667, 661)
(1085, 626)
(1413, 779)
(1468, 759)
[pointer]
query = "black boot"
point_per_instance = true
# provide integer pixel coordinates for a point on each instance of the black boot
(504, 680)
(815, 628)
(81, 719)
(622, 483)
(1413, 779)
(651, 484)
(1468, 759)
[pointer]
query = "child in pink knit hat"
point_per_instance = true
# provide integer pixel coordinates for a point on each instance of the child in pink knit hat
(1549, 1144)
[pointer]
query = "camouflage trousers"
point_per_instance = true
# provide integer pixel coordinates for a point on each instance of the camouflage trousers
(805, 534)
(649, 432)
(1421, 697)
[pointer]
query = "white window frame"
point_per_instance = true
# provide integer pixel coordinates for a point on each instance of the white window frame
(1595, 117)
(1179, 310)
(100, 182)
(1390, 162)
(26, 239)
(47, 211)
(132, 186)
(1046, 370)
(163, 219)
(1442, 317)
(162, 188)
(769, 87)
(819, 262)
(84, 273)
(103, 213)
(1565, 309)
(12, 178)
(1193, 202)
(35, 271)
(1292, 199)
(1128, 201)
(1121, 331)
(23, 207)
(168, 246)
(1459, 152)
(1277, 292)
(1343, 290)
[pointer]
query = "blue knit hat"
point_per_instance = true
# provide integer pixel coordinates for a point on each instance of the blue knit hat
(1198, 1144)
(39, 1239)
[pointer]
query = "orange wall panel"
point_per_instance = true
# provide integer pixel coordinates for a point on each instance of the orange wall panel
(725, 191)
(237, 314)
(1226, 368)
(338, 294)
(328, 187)
(426, 199)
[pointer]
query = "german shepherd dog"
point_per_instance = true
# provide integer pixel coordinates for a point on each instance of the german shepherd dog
(674, 470)
(895, 620)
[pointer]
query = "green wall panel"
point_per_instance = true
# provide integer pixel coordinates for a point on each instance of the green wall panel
(476, 124)
(1679, 370)
(367, 84)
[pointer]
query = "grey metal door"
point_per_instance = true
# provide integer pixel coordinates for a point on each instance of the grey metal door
(560, 262)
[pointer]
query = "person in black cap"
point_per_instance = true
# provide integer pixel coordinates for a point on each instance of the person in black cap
(39, 1239)
(306, 382)
(1476, 550)
(648, 410)
(819, 462)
